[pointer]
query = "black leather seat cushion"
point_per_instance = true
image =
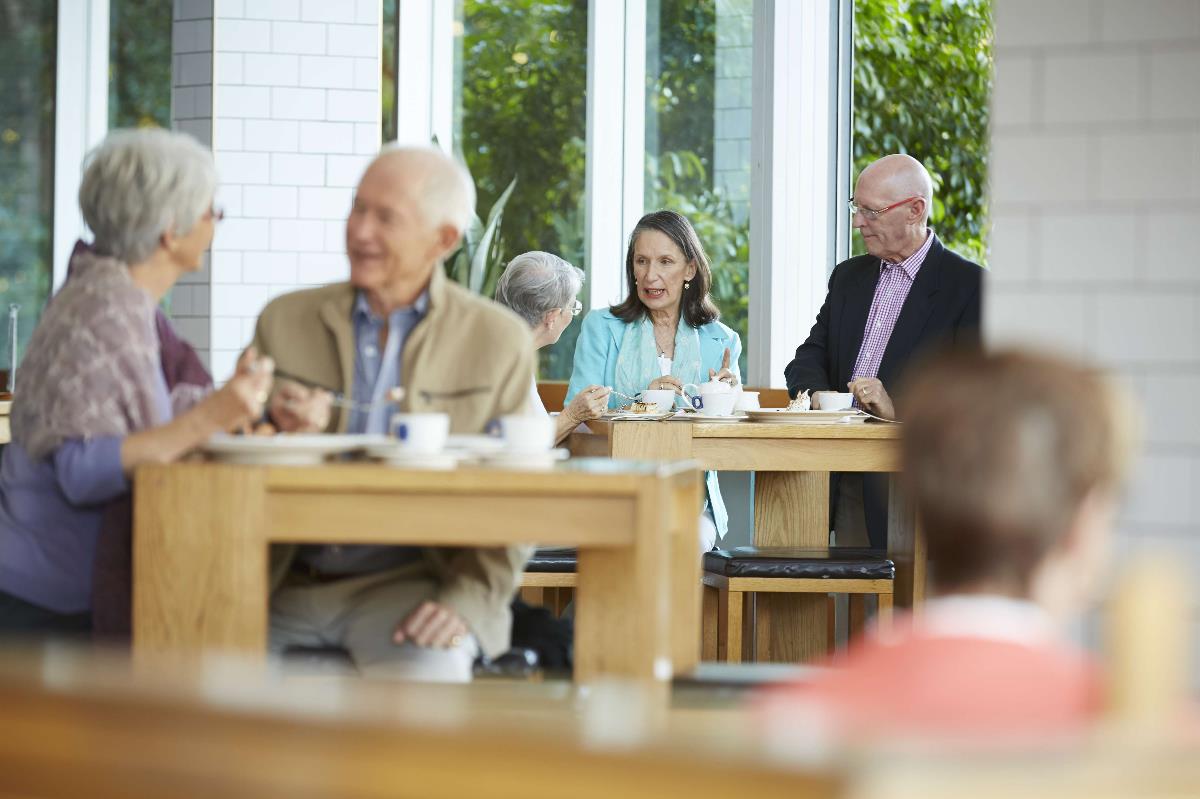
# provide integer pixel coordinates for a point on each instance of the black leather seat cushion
(554, 561)
(833, 563)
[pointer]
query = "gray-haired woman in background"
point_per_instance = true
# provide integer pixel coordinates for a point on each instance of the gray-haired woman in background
(542, 289)
(93, 402)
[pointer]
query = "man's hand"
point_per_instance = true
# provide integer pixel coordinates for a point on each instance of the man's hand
(873, 397)
(591, 403)
(297, 409)
(431, 625)
(725, 374)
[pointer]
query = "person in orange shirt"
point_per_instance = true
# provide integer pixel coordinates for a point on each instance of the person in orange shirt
(1014, 461)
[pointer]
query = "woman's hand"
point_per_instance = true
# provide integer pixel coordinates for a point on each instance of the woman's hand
(591, 403)
(236, 405)
(667, 382)
(240, 401)
(725, 375)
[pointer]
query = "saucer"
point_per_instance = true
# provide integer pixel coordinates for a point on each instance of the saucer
(393, 455)
(508, 459)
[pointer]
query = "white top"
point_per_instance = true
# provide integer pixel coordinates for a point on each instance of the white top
(535, 400)
(988, 616)
(664, 366)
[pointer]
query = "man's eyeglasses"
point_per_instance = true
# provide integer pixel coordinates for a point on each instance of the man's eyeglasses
(873, 213)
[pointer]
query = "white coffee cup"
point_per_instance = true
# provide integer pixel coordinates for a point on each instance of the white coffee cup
(748, 401)
(718, 404)
(663, 398)
(527, 433)
(833, 400)
(421, 432)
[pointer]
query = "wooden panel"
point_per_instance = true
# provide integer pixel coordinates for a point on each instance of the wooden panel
(199, 561)
(63, 747)
(553, 394)
(771, 397)
(835, 432)
(663, 441)
(809, 586)
(784, 455)
(591, 444)
(549, 580)
(906, 548)
(480, 520)
(791, 509)
(685, 569)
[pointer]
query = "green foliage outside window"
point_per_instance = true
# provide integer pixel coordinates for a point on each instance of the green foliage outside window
(922, 84)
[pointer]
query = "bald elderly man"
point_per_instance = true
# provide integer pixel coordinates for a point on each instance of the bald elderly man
(908, 294)
(407, 612)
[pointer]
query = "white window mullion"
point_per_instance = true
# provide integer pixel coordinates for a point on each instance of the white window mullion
(794, 184)
(81, 114)
(616, 140)
(425, 71)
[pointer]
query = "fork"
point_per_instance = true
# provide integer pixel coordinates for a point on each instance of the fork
(340, 400)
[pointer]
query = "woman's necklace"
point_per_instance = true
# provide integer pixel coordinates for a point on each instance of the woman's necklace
(664, 350)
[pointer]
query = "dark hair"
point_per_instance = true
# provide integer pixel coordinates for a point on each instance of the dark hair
(1000, 451)
(697, 306)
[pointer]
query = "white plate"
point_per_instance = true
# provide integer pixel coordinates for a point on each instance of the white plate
(700, 418)
(637, 417)
(524, 460)
(286, 449)
(784, 416)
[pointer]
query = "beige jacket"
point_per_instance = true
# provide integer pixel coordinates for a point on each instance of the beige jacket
(468, 357)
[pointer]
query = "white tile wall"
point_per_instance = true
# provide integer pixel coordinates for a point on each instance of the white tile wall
(1096, 192)
(287, 92)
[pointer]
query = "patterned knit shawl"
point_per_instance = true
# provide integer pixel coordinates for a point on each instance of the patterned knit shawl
(91, 365)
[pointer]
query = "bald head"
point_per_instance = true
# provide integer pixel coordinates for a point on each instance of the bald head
(896, 177)
(440, 185)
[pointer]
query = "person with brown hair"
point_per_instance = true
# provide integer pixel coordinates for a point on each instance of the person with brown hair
(664, 335)
(1014, 461)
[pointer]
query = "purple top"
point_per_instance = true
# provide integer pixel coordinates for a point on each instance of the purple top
(50, 516)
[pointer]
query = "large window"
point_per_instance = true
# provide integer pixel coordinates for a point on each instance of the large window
(922, 85)
(27, 76)
(698, 60)
(139, 89)
(520, 114)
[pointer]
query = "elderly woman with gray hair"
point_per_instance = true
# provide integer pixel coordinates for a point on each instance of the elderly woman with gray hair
(542, 289)
(93, 402)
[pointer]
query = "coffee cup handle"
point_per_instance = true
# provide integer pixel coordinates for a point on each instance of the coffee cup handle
(694, 398)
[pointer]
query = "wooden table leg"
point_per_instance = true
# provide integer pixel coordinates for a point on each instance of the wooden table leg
(906, 548)
(791, 509)
(199, 560)
(622, 618)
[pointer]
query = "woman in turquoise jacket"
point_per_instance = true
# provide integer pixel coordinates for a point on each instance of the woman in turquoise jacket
(665, 334)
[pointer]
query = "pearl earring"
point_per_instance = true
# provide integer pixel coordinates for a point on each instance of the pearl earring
(686, 285)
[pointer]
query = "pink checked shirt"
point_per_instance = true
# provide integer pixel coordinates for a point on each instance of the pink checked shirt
(895, 281)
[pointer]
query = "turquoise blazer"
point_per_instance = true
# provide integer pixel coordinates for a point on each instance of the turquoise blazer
(596, 364)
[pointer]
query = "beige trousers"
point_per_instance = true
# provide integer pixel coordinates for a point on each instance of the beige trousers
(359, 614)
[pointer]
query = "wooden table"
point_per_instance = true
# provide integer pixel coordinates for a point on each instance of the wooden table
(201, 533)
(791, 500)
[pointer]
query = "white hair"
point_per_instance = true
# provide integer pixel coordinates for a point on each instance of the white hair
(447, 194)
(536, 283)
(138, 184)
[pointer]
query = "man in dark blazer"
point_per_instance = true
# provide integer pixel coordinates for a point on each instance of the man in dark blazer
(907, 295)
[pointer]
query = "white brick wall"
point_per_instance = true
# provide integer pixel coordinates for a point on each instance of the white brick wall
(287, 92)
(1095, 197)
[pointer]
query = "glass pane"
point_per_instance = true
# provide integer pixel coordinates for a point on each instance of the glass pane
(698, 59)
(27, 75)
(139, 85)
(520, 114)
(390, 37)
(922, 86)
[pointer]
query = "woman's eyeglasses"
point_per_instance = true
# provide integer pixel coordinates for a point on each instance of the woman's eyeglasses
(575, 309)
